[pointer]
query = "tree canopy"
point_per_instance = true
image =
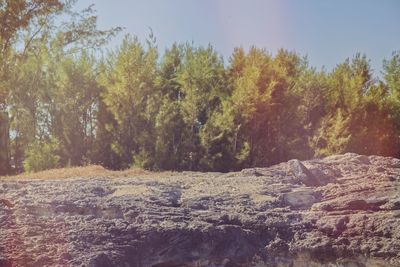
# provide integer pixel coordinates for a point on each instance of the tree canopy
(64, 104)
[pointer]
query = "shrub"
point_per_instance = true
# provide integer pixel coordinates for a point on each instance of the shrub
(41, 156)
(142, 160)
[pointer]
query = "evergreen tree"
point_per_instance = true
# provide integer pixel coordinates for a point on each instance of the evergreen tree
(132, 97)
(201, 79)
(184, 111)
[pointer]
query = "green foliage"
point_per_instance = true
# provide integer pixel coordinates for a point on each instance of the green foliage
(77, 94)
(333, 136)
(202, 83)
(46, 77)
(170, 132)
(41, 156)
(183, 110)
(392, 75)
(131, 95)
(143, 159)
(264, 107)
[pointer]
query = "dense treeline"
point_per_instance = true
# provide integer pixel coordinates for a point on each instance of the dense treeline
(62, 104)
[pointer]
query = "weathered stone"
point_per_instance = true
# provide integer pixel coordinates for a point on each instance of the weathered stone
(5, 263)
(302, 198)
(302, 174)
(101, 260)
(362, 159)
(343, 210)
(324, 177)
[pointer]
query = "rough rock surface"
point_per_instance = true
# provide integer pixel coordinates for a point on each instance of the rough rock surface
(339, 211)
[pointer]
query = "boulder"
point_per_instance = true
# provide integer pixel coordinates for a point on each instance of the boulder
(302, 174)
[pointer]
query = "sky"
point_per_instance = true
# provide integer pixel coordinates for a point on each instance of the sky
(326, 31)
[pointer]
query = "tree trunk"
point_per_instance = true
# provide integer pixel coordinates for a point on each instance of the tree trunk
(4, 144)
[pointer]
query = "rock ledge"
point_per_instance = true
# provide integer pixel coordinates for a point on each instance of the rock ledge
(343, 210)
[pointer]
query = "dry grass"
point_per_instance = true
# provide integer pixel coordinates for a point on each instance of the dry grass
(79, 172)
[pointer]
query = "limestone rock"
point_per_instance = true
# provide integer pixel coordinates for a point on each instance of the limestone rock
(101, 260)
(342, 210)
(302, 174)
(303, 198)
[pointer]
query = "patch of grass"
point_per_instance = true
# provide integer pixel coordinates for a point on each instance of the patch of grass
(90, 171)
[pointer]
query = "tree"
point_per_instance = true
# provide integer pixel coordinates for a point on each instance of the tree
(333, 136)
(169, 124)
(264, 106)
(391, 74)
(4, 139)
(102, 151)
(131, 97)
(184, 111)
(202, 82)
(311, 89)
(381, 136)
(41, 156)
(346, 127)
(25, 105)
(32, 37)
(74, 103)
(17, 16)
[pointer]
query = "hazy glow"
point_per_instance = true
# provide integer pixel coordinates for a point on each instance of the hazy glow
(328, 31)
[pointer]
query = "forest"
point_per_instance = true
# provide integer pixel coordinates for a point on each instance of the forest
(65, 100)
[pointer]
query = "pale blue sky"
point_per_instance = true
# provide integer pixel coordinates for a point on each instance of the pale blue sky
(328, 31)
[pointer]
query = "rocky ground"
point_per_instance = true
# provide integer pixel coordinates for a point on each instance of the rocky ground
(339, 211)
